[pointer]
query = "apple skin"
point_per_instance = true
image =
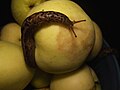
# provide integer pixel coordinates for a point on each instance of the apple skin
(20, 8)
(11, 32)
(80, 79)
(98, 42)
(57, 49)
(14, 73)
(41, 79)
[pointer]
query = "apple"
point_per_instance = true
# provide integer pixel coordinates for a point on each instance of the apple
(11, 32)
(57, 49)
(80, 79)
(20, 8)
(41, 79)
(14, 73)
(98, 42)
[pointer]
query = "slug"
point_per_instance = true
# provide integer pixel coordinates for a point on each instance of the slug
(29, 28)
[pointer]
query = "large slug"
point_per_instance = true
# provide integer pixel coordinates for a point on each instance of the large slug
(29, 28)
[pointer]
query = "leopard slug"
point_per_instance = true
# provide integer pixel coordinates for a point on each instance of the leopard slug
(29, 28)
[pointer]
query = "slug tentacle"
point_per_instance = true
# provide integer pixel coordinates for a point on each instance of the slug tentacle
(74, 22)
(30, 27)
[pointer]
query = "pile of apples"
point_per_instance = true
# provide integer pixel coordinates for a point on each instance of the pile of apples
(60, 57)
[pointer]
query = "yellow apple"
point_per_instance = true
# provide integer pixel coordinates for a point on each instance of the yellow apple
(11, 32)
(41, 79)
(80, 79)
(98, 41)
(20, 8)
(57, 49)
(14, 73)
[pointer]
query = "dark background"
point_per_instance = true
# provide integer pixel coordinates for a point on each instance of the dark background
(103, 12)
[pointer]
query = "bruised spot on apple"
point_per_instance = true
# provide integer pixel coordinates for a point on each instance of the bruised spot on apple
(67, 44)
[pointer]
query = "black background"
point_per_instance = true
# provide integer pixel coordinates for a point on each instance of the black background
(103, 12)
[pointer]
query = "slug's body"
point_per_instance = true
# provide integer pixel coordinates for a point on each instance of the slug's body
(29, 28)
